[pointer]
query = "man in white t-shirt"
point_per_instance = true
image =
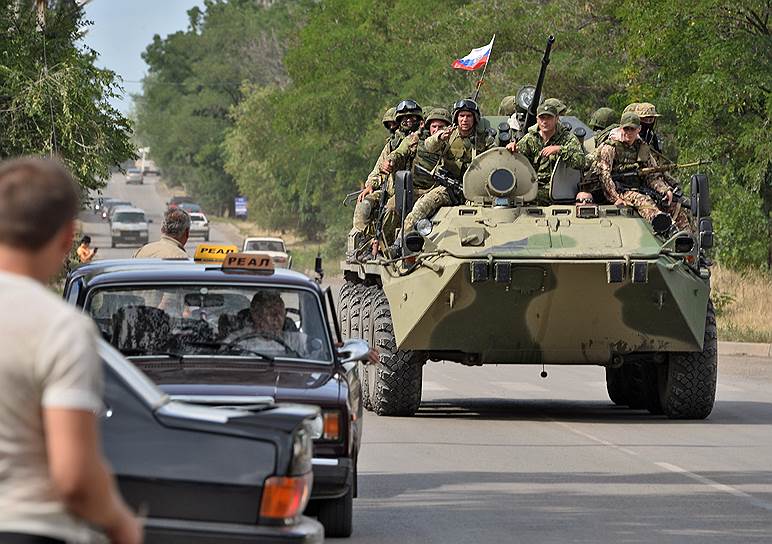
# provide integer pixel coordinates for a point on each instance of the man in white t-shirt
(54, 483)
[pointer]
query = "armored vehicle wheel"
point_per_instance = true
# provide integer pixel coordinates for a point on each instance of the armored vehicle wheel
(398, 376)
(688, 381)
(344, 303)
(366, 321)
(355, 309)
(615, 385)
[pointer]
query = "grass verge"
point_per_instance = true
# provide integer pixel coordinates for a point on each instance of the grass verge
(743, 301)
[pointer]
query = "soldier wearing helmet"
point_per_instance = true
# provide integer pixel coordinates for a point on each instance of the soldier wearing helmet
(648, 115)
(390, 120)
(602, 118)
(624, 151)
(547, 142)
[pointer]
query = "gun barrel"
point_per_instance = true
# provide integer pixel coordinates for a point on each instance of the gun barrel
(530, 117)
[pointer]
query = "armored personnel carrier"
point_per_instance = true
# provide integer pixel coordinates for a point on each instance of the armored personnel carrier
(497, 280)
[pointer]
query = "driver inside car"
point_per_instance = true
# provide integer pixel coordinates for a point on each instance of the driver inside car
(269, 331)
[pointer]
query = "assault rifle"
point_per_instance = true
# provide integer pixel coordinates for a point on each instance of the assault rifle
(454, 186)
(631, 180)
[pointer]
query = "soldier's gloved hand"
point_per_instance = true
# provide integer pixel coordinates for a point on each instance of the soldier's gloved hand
(669, 197)
(366, 191)
(550, 150)
(445, 134)
(619, 202)
(512, 147)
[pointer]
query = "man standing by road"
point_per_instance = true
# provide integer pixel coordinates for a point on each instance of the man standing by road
(54, 483)
(174, 235)
(546, 144)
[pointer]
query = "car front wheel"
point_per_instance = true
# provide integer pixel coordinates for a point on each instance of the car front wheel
(336, 515)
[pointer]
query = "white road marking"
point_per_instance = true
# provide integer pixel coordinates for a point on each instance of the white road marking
(522, 387)
(434, 386)
(755, 501)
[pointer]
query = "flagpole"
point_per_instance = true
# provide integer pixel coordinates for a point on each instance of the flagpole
(482, 77)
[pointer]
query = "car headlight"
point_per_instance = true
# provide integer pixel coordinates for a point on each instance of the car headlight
(424, 227)
(302, 450)
(525, 96)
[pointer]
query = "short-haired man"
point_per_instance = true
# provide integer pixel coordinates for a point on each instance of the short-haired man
(544, 144)
(54, 484)
(174, 235)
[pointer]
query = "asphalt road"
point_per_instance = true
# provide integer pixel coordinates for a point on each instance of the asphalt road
(498, 454)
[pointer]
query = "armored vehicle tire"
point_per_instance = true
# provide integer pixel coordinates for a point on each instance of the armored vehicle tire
(344, 302)
(367, 328)
(688, 382)
(615, 385)
(398, 376)
(640, 377)
(337, 515)
(349, 302)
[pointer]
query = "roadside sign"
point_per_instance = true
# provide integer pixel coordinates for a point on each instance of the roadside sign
(213, 253)
(240, 206)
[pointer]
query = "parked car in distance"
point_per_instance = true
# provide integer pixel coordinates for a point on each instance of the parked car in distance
(134, 175)
(100, 202)
(273, 247)
(167, 456)
(199, 225)
(128, 225)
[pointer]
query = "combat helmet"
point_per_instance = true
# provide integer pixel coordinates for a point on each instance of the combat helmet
(602, 118)
(646, 109)
(407, 107)
(438, 114)
(389, 116)
(632, 106)
(466, 104)
(558, 104)
(508, 105)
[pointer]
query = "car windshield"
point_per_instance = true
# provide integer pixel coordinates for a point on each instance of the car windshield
(259, 323)
(133, 170)
(197, 217)
(129, 217)
(264, 245)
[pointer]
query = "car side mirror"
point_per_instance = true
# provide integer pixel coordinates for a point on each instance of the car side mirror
(354, 350)
(700, 195)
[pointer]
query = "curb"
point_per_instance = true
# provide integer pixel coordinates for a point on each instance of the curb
(744, 349)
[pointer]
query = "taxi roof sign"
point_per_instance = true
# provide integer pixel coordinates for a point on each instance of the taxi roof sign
(213, 253)
(248, 261)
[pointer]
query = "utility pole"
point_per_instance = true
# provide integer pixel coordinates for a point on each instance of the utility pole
(40, 8)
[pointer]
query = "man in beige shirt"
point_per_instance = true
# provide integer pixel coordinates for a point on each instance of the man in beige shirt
(174, 235)
(55, 486)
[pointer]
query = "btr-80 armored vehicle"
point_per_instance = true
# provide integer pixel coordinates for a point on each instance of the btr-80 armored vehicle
(497, 280)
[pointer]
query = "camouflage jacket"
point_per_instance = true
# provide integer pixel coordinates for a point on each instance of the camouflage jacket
(413, 151)
(571, 151)
(375, 178)
(458, 151)
(615, 156)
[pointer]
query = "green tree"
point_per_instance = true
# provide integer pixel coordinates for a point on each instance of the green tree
(53, 99)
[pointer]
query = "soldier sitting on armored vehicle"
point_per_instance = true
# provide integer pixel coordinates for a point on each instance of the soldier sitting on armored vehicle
(408, 116)
(544, 144)
(456, 146)
(621, 156)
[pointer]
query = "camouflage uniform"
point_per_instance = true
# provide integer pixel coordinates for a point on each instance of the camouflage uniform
(602, 118)
(455, 155)
(570, 153)
(615, 156)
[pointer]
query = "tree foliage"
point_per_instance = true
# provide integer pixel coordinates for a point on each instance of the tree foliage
(53, 99)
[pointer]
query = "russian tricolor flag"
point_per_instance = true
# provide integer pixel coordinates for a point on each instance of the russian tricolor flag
(476, 59)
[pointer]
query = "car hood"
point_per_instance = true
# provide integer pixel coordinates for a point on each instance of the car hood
(304, 385)
(271, 254)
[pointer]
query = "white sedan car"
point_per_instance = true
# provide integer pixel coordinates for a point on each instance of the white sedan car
(274, 247)
(199, 225)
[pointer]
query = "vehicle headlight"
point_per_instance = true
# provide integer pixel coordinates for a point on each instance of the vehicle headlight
(302, 450)
(525, 96)
(424, 227)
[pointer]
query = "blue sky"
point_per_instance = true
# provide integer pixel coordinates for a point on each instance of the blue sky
(122, 30)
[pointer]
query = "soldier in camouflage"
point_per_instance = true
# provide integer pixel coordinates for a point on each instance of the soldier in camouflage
(602, 118)
(456, 146)
(625, 151)
(407, 118)
(412, 151)
(648, 114)
(545, 143)
(390, 120)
